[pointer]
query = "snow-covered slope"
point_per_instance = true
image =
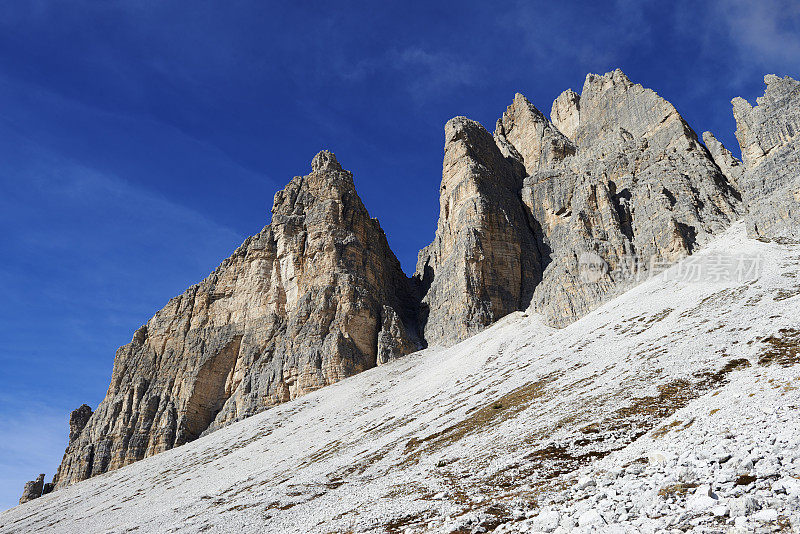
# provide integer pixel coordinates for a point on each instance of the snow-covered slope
(638, 401)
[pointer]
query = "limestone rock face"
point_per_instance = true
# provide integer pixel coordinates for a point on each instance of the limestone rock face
(636, 183)
(315, 297)
(727, 162)
(638, 188)
(32, 490)
(77, 421)
(563, 222)
(535, 140)
(769, 136)
(484, 261)
(565, 113)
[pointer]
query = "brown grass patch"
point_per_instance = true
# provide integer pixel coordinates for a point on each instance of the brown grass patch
(676, 490)
(495, 413)
(782, 348)
(664, 430)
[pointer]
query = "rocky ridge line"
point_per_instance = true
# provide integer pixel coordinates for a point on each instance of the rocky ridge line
(769, 136)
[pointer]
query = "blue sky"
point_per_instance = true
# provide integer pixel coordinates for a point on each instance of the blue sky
(142, 141)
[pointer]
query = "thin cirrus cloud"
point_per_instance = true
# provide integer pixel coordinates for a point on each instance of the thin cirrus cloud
(92, 257)
(432, 72)
(32, 438)
(764, 31)
(576, 35)
(88, 256)
(423, 73)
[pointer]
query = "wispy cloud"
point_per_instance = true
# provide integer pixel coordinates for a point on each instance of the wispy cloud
(87, 257)
(577, 37)
(766, 32)
(424, 73)
(32, 440)
(432, 72)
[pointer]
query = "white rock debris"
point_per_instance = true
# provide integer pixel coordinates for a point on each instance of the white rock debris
(735, 469)
(671, 408)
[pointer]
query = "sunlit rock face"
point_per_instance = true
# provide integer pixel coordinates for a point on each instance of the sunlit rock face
(315, 297)
(626, 182)
(769, 136)
(484, 262)
(638, 187)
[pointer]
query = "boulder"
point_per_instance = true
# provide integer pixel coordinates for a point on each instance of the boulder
(32, 490)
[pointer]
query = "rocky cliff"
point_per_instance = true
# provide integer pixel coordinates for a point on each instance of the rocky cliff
(484, 262)
(639, 191)
(623, 422)
(557, 215)
(626, 186)
(315, 297)
(769, 136)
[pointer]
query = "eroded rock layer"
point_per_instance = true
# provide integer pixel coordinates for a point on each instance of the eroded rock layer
(769, 136)
(315, 297)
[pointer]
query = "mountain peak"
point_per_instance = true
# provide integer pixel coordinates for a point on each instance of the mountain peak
(325, 160)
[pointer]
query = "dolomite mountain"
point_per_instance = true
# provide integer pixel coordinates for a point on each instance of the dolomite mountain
(315, 297)
(628, 183)
(769, 135)
(554, 216)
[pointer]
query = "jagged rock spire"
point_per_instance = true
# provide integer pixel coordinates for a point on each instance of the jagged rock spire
(769, 136)
(325, 160)
(483, 262)
(315, 297)
(522, 213)
(728, 164)
(639, 188)
(534, 138)
(566, 112)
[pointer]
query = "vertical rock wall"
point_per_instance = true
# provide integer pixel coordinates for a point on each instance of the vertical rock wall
(769, 136)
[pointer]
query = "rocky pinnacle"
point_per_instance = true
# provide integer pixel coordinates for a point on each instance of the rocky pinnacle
(313, 298)
(769, 136)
